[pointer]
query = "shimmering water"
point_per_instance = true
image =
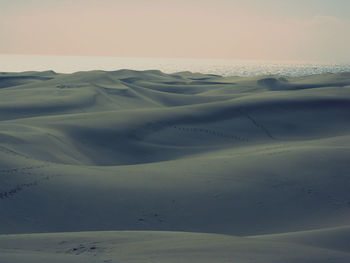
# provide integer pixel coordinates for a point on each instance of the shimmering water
(66, 64)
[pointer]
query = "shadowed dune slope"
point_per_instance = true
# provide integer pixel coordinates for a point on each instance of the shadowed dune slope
(262, 163)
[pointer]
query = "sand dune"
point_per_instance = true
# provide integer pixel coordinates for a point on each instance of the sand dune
(261, 163)
(140, 246)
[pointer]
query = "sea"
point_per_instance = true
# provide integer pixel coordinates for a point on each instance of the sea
(70, 64)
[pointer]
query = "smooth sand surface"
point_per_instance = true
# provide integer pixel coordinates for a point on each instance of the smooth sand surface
(142, 166)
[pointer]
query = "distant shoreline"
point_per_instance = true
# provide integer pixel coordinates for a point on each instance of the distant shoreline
(30, 73)
(249, 68)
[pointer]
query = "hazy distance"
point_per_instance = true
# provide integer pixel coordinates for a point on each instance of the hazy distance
(267, 30)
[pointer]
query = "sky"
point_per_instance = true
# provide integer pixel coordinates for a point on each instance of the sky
(289, 30)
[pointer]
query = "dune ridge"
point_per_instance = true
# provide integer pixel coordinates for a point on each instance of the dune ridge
(143, 166)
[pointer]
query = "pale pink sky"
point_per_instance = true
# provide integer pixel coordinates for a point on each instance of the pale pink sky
(188, 29)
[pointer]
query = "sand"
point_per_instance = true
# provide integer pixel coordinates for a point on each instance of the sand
(142, 166)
